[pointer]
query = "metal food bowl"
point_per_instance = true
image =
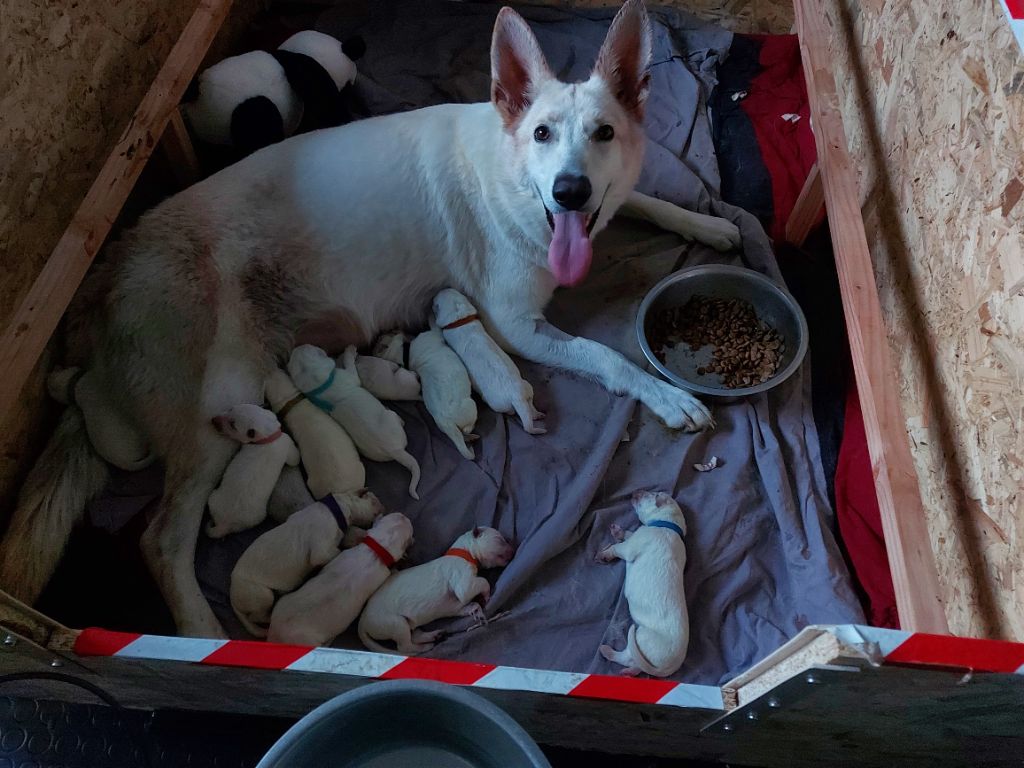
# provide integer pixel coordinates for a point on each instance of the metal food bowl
(774, 306)
(406, 724)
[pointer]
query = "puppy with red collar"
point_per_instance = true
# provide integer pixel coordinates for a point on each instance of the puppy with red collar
(281, 559)
(240, 501)
(327, 604)
(439, 589)
(655, 558)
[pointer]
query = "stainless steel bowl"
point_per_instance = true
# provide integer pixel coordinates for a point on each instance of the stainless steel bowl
(773, 304)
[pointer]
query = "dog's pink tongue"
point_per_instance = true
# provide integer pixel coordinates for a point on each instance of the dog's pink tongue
(570, 251)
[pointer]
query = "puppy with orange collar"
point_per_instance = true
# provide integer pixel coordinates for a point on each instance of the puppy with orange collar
(655, 558)
(441, 588)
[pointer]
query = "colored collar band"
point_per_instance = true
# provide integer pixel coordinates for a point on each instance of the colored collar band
(289, 405)
(382, 554)
(268, 439)
(320, 403)
(461, 322)
(339, 515)
(666, 524)
(465, 555)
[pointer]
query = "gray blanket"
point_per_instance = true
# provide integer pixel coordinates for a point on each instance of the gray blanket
(763, 562)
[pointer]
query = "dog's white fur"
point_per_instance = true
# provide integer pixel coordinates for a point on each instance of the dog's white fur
(240, 501)
(330, 457)
(445, 384)
(377, 432)
(385, 379)
(328, 603)
(491, 371)
(112, 435)
(282, 558)
(424, 593)
(351, 230)
(655, 558)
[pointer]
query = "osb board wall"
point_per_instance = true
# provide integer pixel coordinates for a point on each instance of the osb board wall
(773, 17)
(71, 74)
(934, 110)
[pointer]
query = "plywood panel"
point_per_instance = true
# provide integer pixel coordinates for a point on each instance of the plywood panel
(933, 98)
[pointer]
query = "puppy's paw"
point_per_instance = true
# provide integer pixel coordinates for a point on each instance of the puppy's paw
(720, 234)
(617, 533)
(630, 672)
(676, 408)
(607, 651)
(474, 611)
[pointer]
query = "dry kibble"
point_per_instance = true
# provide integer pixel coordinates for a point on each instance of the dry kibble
(745, 352)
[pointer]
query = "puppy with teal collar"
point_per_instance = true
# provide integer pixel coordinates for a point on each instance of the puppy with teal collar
(655, 558)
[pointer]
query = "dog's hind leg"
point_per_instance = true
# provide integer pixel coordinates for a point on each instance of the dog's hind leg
(719, 233)
(406, 460)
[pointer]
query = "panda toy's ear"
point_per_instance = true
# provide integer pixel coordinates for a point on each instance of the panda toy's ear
(354, 47)
(318, 70)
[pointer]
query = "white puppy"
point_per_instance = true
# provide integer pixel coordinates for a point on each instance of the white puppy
(443, 587)
(492, 372)
(446, 388)
(385, 379)
(328, 603)
(111, 433)
(282, 558)
(377, 432)
(392, 346)
(240, 501)
(328, 453)
(655, 558)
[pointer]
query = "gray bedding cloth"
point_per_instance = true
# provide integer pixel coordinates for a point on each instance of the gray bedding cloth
(763, 562)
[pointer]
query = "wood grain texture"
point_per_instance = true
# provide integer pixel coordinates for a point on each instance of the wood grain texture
(915, 578)
(35, 320)
(808, 209)
(176, 147)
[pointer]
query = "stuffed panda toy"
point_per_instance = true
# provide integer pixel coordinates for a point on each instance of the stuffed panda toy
(250, 101)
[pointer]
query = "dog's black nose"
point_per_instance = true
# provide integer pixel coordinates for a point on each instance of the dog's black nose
(571, 192)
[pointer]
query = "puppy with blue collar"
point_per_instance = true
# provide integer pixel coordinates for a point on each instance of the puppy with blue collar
(655, 557)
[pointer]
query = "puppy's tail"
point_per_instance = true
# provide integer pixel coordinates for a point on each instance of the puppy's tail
(372, 644)
(639, 659)
(52, 502)
(455, 435)
(406, 460)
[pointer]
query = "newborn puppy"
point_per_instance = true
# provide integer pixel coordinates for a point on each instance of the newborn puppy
(328, 453)
(377, 432)
(445, 385)
(385, 379)
(328, 603)
(492, 372)
(655, 558)
(240, 501)
(281, 559)
(443, 587)
(392, 346)
(113, 436)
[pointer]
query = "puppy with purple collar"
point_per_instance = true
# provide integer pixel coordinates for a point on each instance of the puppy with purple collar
(655, 558)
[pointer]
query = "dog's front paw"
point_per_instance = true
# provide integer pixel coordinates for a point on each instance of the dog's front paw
(476, 612)
(617, 533)
(676, 408)
(720, 234)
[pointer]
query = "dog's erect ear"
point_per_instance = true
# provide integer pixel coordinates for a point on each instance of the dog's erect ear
(517, 66)
(625, 56)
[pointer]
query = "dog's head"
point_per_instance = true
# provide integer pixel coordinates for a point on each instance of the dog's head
(246, 423)
(362, 505)
(393, 532)
(657, 506)
(578, 146)
(309, 366)
(450, 305)
(487, 545)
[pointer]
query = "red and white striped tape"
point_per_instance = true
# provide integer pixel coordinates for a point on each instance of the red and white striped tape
(337, 661)
(1015, 13)
(919, 649)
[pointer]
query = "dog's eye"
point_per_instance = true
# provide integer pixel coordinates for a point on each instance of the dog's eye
(541, 133)
(604, 133)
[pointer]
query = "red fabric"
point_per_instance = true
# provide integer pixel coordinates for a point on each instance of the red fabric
(860, 521)
(787, 148)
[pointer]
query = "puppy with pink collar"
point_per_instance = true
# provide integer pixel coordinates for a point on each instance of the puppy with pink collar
(655, 558)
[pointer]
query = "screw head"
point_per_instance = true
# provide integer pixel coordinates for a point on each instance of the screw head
(10, 640)
(774, 703)
(810, 678)
(56, 663)
(727, 727)
(751, 714)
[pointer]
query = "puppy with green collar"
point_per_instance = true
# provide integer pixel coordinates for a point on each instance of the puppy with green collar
(655, 558)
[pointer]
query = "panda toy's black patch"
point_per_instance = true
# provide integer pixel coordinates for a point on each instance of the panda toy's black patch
(256, 123)
(322, 103)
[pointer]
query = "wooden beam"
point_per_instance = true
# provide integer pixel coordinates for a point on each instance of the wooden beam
(176, 147)
(808, 209)
(35, 320)
(911, 560)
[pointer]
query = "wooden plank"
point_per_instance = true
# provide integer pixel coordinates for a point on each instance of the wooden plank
(918, 595)
(35, 320)
(808, 209)
(176, 147)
